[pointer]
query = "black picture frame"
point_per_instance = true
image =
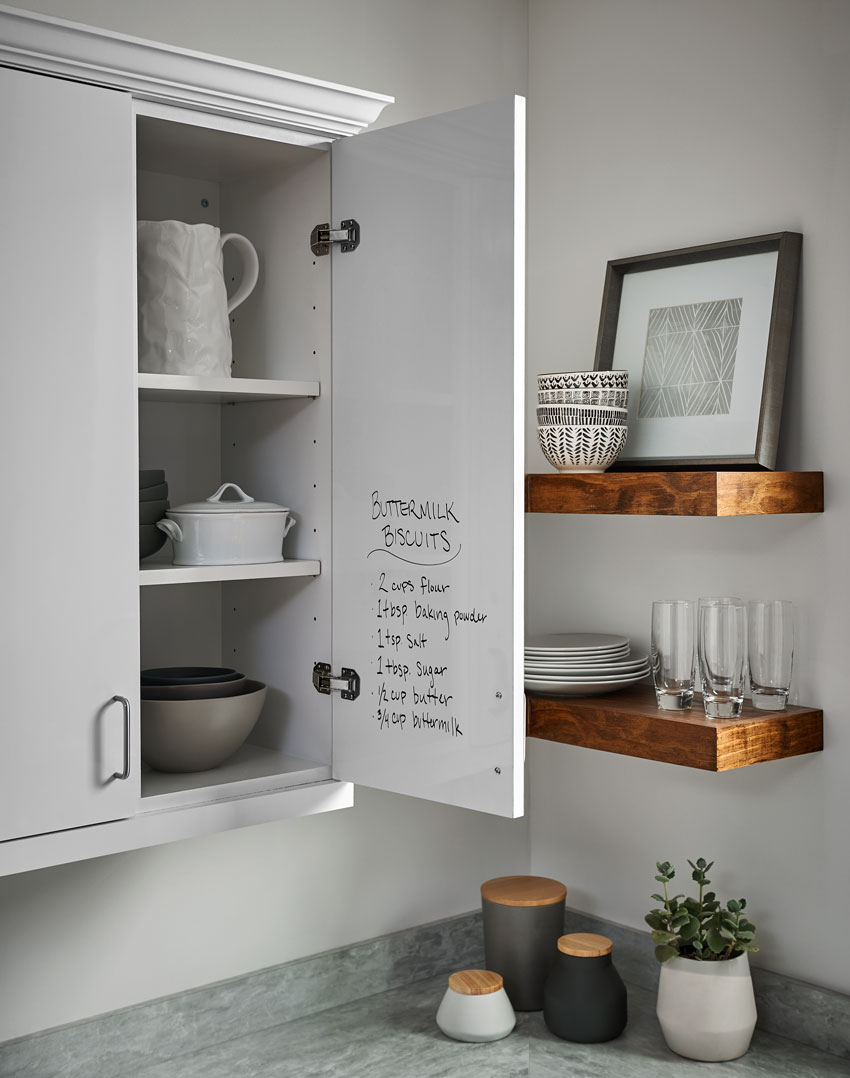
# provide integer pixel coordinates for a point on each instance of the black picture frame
(763, 366)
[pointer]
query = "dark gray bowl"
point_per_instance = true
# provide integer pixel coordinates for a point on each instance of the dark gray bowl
(154, 494)
(150, 477)
(151, 512)
(213, 690)
(188, 675)
(151, 539)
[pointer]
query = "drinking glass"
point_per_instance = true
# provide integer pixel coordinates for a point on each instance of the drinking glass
(722, 648)
(672, 653)
(770, 630)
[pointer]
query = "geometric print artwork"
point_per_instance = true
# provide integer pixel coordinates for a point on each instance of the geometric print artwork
(689, 362)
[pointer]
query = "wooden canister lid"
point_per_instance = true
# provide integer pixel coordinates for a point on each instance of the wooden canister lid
(475, 982)
(585, 945)
(523, 891)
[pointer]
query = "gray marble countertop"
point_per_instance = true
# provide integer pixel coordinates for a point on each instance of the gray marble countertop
(394, 1035)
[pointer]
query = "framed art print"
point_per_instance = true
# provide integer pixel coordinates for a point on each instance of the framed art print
(704, 333)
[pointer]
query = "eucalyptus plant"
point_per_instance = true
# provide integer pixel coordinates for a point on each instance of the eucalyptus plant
(698, 928)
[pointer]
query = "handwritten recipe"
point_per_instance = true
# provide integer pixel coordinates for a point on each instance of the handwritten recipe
(417, 549)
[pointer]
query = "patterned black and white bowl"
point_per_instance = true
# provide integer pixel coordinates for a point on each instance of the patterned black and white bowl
(608, 398)
(584, 380)
(581, 415)
(582, 448)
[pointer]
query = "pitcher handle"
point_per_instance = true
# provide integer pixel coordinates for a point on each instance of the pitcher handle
(243, 497)
(250, 268)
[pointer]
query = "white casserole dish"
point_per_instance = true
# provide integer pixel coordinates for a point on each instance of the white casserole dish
(214, 532)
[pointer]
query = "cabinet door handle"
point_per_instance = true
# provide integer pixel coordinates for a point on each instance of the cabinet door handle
(125, 706)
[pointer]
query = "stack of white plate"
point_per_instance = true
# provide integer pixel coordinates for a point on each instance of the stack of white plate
(581, 664)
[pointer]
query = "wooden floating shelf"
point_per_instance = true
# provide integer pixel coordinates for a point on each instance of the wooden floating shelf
(689, 494)
(629, 722)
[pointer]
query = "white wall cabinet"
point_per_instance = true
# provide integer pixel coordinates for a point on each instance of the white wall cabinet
(377, 392)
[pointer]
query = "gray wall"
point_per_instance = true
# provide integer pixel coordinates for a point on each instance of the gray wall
(82, 939)
(653, 125)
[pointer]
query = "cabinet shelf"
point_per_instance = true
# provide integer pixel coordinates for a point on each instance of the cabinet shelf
(675, 493)
(160, 573)
(629, 723)
(252, 770)
(188, 388)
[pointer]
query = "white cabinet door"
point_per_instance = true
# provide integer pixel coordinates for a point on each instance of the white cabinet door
(428, 379)
(68, 545)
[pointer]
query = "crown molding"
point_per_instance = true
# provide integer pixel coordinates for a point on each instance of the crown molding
(174, 76)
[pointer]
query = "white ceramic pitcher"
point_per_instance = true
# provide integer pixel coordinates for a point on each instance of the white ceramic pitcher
(183, 303)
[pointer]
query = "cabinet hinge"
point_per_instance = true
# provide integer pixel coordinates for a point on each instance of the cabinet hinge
(347, 236)
(347, 683)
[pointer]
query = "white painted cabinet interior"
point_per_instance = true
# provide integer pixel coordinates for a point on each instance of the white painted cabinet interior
(428, 472)
(69, 626)
(443, 375)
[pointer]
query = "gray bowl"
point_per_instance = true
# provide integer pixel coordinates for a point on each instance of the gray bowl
(151, 512)
(196, 735)
(154, 494)
(150, 477)
(204, 691)
(151, 539)
(188, 675)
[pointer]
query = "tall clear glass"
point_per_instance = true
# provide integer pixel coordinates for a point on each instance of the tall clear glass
(770, 630)
(722, 649)
(672, 653)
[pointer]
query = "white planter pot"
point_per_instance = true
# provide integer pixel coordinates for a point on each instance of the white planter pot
(707, 1010)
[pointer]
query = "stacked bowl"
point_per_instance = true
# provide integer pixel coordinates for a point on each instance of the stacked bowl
(195, 717)
(153, 502)
(582, 418)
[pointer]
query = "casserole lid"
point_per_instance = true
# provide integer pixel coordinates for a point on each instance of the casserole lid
(243, 503)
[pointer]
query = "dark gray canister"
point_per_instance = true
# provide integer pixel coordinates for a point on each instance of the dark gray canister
(523, 920)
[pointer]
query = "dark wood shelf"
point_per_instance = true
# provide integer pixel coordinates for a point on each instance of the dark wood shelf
(675, 493)
(628, 722)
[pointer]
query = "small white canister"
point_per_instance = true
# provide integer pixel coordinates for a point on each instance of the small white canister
(216, 532)
(476, 1007)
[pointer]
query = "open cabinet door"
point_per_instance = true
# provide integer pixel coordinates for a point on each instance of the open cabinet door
(428, 382)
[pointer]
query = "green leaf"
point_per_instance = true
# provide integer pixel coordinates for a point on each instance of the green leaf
(709, 896)
(657, 898)
(664, 952)
(682, 917)
(660, 936)
(691, 929)
(745, 934)
(656, 919)
(734, 906)
(715, 940)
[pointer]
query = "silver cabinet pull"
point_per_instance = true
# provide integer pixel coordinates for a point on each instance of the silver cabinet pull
(125, 706)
